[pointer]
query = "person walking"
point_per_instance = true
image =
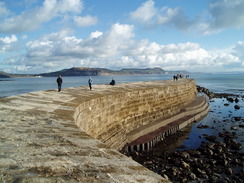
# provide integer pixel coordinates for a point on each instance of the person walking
(90, 82)
(59, 81)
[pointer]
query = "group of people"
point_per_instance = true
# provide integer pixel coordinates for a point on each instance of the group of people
(60, 80)
(175, 77)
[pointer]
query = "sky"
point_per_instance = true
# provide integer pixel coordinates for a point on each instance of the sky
(39, 36)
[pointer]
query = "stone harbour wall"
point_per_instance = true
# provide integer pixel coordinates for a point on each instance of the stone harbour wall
(109, 117)
(41, 142)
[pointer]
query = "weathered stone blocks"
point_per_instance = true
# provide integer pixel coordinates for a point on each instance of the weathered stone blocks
(111, 116)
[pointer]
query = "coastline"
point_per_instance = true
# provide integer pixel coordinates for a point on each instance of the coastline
(216, 103)
(216, 151)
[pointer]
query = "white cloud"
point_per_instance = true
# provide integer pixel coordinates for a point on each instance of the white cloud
(32, 19)
(69, 6)
(95, 34)
(166, 15)
(117, 49)
(222, 14)
(9, 40)
(145, 12)
(150, 15)
(8, 43)
(226, 13)
(85, 21)
(238, 50)
(97, 50)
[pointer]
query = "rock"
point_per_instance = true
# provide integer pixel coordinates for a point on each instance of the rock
(217, 175)
(222, 144)
(236, 146)
(223, 156)
(227, 135)
(213, 178)
(210, 152)
(211, 138)
(192, 176)
(176, 162)
(237, 107)
(219, 149)
(235, 161)
(203, 126)
(184, 180)
(237, 118)
(229, 171)
(184, 155)
(195, 153)
(201, 172)
(230, 99)
(174, 171)
(206, 91)
(241, 126)
(148, 162)
(165, 176)
(236, 100)
(224, 162)
(212, 162)
(185, 165)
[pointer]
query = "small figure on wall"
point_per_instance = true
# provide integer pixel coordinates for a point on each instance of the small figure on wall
(59, 81)
(90, 82)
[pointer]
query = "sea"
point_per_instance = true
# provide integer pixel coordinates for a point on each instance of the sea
(222, 115)
(219, 83)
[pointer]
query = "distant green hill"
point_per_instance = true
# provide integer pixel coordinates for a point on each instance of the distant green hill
(86, 71)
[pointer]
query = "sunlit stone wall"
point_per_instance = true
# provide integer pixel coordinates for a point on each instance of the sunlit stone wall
(111, 115)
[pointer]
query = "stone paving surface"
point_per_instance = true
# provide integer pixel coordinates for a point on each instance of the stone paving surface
(40, 143)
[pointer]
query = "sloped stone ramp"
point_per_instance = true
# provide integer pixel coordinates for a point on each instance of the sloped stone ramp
(39, 143)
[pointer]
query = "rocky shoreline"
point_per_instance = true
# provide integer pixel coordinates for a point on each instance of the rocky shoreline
(218, 158)
(213, 161)
(218, 95)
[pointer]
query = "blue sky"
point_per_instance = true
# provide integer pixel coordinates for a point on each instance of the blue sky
(39, 36)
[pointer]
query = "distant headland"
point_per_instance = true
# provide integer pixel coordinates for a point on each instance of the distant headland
(7, 75)
(87, 71)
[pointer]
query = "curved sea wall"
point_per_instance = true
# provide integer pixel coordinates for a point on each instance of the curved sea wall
(40, 141)
(113, 114)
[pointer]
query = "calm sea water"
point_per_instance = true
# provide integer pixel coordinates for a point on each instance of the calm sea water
(219, 83)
